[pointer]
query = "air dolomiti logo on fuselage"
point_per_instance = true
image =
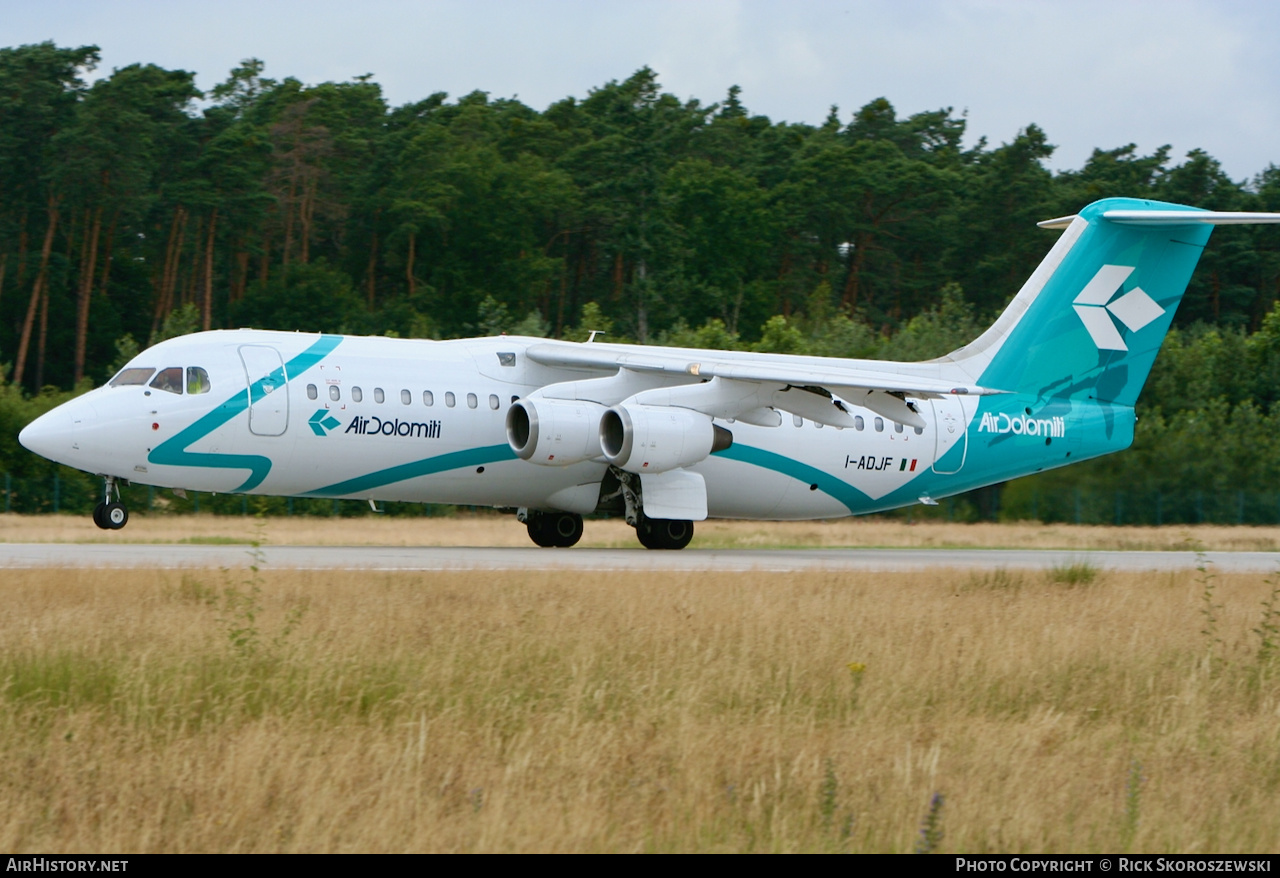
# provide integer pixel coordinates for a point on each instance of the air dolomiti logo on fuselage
(1099, 308)
(376, 426)
(1023, 425)
(323, 421)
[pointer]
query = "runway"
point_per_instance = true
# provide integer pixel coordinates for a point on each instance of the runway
(97, 555)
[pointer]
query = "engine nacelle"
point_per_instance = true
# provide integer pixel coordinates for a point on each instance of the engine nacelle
(554, 432)
(657, 438)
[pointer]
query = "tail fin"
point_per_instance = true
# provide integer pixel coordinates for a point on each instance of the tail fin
(1090, 320)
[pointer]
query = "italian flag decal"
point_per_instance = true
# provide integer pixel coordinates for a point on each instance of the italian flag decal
(903, 467)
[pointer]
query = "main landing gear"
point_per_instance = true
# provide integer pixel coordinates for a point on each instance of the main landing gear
(554, 530)
(663, 533)
(110, 514)
(653, 533)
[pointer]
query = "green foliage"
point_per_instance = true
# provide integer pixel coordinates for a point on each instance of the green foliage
(931, 833)
(126, 350)
(1073, 573)
(306, 298)
(1268, 629)
(1132, 804)
(322, 208)
(1210, 611)
(937, 331)
(240, 607)
(182, 321)
(592, 320)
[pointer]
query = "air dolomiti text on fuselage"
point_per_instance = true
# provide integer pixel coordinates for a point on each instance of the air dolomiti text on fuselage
(376, 426)
(662, 437)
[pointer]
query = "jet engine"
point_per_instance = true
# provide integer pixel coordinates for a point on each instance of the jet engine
(554, 432)
(654, 439)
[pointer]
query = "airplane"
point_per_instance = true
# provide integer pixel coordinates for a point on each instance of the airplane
(664, 437)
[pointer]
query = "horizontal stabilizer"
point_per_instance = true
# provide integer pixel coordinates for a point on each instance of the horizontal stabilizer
(1172, 218)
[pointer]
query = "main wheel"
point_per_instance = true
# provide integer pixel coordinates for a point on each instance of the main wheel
(115, 516)
(664, 533)
(566, 529)
(539, 532)
(554, 530)
(98, 517)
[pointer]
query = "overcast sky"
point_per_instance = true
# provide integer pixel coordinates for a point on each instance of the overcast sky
(1190, 73)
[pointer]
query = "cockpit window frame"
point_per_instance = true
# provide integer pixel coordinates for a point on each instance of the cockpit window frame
(198, 380)
(132, 376)
(168, 379)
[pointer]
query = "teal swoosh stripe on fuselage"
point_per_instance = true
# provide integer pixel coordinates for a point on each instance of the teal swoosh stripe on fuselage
(172, 452)
(414, 469)
(851, 497)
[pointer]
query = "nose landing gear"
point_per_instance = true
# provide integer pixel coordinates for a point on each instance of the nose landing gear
(110, 514)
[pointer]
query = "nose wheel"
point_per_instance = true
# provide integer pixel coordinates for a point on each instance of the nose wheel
(110, 514)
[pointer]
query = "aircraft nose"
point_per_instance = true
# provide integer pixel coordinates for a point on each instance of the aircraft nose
(42, 435)
(55, 435)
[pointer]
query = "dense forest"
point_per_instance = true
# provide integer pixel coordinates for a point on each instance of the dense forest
(137, 208)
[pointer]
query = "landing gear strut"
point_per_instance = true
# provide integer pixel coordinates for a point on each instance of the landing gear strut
(653, 533)
(554, 530)
(110, 514)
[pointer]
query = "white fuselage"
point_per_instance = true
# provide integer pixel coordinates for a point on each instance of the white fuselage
(424, 421)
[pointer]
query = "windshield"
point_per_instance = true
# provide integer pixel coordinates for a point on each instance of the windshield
(135, 375)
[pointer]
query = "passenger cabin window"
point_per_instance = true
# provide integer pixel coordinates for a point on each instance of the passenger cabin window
(493, 401)
(879, 425)
(357, 395)
(858, 423)
(428, 398)
(472, 402)
(797, 420)
(312, 393)
(450, 400)
(169, 380)
(919, 430)
(135, 375)
(197, 380)
(378, 396)
(897, 428)
(406, 397)
(334, 393)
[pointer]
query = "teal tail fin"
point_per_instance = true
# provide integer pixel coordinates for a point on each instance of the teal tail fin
(1090, 320)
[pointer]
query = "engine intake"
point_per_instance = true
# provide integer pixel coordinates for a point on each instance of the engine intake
(654, 439)
(554, 432)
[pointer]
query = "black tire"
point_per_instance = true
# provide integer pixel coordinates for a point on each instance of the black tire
(541, 535)
(663, 533)
(98, 518)
(554, 530)
(115, 516)
(565, 529)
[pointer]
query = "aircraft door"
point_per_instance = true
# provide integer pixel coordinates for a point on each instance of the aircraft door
(268, 399)
(949, 431)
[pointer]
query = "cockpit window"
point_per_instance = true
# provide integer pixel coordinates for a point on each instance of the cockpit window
(135, 375)
(169, 379)
(197, 380)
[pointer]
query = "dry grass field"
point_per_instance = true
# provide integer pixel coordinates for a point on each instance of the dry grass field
(474, 711)
(503, 530)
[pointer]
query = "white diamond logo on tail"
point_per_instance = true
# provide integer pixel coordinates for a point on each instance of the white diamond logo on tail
(1098, 312)
(1135, 309)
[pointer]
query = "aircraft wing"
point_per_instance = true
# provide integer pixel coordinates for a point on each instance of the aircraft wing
(811, 389)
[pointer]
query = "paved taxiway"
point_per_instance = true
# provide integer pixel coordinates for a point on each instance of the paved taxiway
(21, 555)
